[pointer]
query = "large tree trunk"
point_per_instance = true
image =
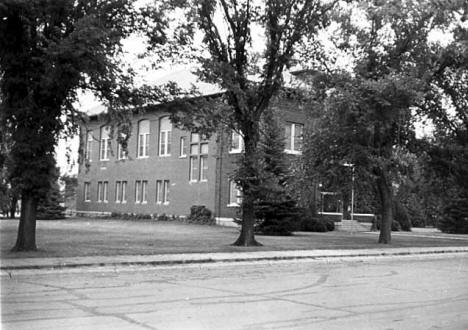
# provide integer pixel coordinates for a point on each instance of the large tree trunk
(249, 175)
(386, 200)
(13, 206)
(26, 240)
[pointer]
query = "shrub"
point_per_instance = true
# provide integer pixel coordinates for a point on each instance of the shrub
(377, 221)
(318, 225)
(455, 220)
(277, 217)
(400, 215)
(200, 214)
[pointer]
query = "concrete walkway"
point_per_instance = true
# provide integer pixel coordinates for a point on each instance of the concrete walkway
(174, 259)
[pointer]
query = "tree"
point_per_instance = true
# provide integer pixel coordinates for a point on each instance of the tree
(49, 49)
(251, 71)
(365, 114)
(274, 207)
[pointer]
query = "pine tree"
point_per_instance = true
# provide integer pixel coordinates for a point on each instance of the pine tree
(275, 208)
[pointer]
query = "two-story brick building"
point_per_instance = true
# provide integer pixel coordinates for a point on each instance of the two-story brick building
(166, 170)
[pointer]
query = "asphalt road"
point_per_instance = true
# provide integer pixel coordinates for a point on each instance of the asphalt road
(375, 293)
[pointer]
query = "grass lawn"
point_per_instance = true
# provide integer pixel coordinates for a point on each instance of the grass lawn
(89, 237)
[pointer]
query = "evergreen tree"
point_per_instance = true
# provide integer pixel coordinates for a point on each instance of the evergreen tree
(277, 211)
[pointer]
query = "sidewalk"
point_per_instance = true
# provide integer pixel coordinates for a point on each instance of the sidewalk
(193, 258)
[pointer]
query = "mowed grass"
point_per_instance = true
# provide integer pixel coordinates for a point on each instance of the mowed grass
(91, 237)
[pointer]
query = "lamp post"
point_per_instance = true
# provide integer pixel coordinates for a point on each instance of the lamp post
(352, 188)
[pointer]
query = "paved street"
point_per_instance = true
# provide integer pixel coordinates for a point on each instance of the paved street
(413, 292)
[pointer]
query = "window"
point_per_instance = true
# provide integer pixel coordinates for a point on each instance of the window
(87, 197)
(203, 168)
(237, 143)
(99, 191)
(144, 197)
(162, 191)
(121, 153)
(165, 134)
(105, 192)
(235, 194)
(193, 168)
(137, 191)
(183, 146)
(143, 138)
(118, 192)
(294, 134)
(89, 145)
(124, 192)
(105, 143)
(198, 158)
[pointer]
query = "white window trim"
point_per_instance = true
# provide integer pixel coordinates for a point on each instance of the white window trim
(165, 199)
(144, 192)
(105, 192)
(182, 154)
(164, 152)
(121, 152)
(196, 158)
(89, 146)
(205, 157)
(118, 192)
(123, 194)
(137, 192)
(86, 192)
(238, 201)
(99, 191)
(240, 149)
(290, 149)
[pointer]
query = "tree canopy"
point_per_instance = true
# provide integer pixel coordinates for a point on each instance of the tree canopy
(49, 49)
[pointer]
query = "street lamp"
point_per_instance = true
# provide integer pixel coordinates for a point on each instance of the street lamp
(352, 188)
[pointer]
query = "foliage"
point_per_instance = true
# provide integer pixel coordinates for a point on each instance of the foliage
(275, 210)
(50, 207)
(49, 50)
(455, 220)
(319, 225)
(401, 215)
(200, 214)
(365, 113)
(250, 69)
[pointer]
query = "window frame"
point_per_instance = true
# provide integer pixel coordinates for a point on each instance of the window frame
(89, 145)
(235, 195)
(290, 148)
(137, 191)
(165, 137)
(104, 143)
(87, 191)
(240, 147)
(105, 192)
(143, 138)
(99, 192)
(118, 192)
(124, 192)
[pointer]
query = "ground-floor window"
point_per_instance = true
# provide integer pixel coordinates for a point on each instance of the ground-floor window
(144, 196)
(162, 191)
(105, 192)
(124, 191)
(87, 197)
(138, 191)
(99, 191)
(118, 192)
(235, 194)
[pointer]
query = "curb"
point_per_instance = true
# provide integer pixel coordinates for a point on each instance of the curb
(205, 258)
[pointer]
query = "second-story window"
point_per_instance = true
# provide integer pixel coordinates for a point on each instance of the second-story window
(183, 147)
(165, 136)
(198, 164)
(143, 138)
(105, 143)
(237, 143)
(89, 145)
(294, 134)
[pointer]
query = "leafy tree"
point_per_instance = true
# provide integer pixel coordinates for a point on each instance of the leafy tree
(50, 206)
(49, 49)
(250, 69)
(365, 114)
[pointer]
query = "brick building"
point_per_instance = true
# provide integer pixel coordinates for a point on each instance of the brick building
(166, 170)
